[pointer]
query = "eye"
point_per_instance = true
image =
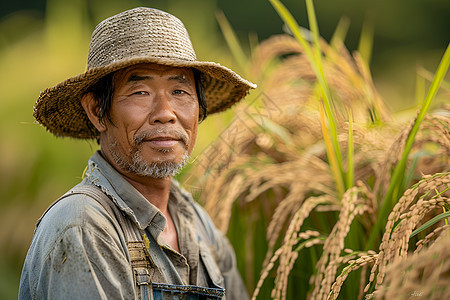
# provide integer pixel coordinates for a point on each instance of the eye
(179, 92)
(140, 93)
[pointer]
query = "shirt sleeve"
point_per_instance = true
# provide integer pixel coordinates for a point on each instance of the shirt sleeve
(76, 253)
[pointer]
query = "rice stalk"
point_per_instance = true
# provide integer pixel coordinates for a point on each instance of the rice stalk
(343, 77)
(352, 266)
(437, 129)
(289, 255)
(431, 236)
(395, 189)
(431, 222)
(378, 110)
(315, 58)
(291, 203)
(281, 280)
(268, 50)
(310, 238)
(352, 205)
(422, 274)
(274, 155)
(392, 157)
(407, 215)
(265, 272)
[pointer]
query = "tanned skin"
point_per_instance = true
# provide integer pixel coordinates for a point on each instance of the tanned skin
(154, 113)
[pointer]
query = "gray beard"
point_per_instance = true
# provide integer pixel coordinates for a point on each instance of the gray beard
(139, 166)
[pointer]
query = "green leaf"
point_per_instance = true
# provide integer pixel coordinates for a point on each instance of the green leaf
(341, 31)
(232, 40)
(314, 55)
(430, 223)
(276, 129)
(366, 40)
(350, 152)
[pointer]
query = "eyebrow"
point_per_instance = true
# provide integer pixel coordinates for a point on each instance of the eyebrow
(136, 78)
(180, 78)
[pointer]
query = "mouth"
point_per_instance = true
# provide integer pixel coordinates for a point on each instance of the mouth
(163, 141)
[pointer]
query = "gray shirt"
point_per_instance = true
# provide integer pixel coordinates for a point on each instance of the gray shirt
(78, 252)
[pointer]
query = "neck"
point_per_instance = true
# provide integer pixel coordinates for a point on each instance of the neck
(155, 190)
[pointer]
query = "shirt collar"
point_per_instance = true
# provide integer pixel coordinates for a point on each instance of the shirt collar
(125, 196)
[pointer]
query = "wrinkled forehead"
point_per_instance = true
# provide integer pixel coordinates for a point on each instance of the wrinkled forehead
(154, 70)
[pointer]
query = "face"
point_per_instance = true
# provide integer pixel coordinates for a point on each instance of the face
(154, 112)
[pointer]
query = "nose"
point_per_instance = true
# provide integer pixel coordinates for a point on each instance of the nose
(163, 111)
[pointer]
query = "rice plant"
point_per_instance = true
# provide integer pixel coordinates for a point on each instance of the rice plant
(351, 203)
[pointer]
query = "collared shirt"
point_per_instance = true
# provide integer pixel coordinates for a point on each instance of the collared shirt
(77, 251)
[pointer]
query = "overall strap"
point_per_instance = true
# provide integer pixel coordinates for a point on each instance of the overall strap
(140, 259)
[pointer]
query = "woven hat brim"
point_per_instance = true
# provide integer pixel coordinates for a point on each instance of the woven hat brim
(59, 108)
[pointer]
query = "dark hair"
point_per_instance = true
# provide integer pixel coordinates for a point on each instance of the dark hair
(103, 92)
(200, 95)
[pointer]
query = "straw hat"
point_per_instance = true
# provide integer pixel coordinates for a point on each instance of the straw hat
(140, 35)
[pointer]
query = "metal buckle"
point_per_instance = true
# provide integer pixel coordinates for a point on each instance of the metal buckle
(142, 276)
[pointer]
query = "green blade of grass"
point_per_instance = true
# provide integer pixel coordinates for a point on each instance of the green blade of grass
(445, 221)
(331, 155)
(341, 31)
(317, 60)
(350, 150)
(232, 40)
(315, 32)
(365, 45)
(409, 175)
(430, 222)
(395, 186)
(293, 26)
(314, 56)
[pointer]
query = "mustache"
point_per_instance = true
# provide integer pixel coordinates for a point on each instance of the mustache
(154, 133)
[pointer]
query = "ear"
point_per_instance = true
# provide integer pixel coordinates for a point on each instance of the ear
(90, 107)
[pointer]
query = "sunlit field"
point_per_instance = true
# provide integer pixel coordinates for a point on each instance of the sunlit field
(331, 179)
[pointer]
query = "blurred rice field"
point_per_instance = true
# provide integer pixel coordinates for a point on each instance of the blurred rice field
(259, 147)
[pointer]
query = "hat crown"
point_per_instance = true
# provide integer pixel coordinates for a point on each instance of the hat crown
(140, 32)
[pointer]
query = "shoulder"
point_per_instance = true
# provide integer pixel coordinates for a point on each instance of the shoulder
(77, 216)
(77, 244)
(73, 210)
(77, 227)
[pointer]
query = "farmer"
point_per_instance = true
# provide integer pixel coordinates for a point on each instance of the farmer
(128, 230)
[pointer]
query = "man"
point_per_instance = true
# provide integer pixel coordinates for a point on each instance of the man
(128, 231)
